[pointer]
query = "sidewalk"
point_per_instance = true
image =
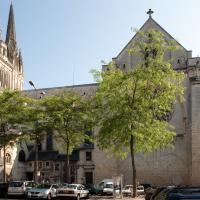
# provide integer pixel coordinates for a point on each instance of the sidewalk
(141, 197)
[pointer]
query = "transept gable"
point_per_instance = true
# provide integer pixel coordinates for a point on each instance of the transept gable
(125, 61)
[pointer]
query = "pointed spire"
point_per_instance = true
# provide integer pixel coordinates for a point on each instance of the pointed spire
(11, 35)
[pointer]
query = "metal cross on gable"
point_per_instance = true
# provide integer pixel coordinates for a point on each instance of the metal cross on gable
(150, 12)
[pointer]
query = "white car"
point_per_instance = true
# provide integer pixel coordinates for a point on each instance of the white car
(19, 188)
(74, 191)
(43, 191)
(128, 190)
(108, 188)
(140, 189)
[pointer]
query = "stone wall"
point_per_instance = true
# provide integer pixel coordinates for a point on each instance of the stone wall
(195, 133)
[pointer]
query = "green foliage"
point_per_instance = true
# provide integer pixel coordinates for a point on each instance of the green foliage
(132, 103)
(67, 114)
(34, 126)
(12, 112)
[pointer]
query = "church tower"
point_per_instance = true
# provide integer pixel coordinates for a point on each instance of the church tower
(11, 64)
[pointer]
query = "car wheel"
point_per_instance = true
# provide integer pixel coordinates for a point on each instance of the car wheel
(49, 196)
(88, 196)
(78, 197)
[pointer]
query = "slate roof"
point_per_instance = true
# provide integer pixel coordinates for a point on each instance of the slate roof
(53, 155)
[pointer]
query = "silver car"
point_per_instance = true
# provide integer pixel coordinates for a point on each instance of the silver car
(73, 191)
(19, 188)
(43, 191)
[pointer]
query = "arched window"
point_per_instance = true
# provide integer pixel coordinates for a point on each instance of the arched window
(8, 158)
(21, 156)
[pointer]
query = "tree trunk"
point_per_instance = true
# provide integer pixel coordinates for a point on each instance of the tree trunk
(36, 162)
(67, 164)
(132, 150)
(4, 163)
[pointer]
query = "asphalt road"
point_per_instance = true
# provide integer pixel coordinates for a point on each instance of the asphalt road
(95, 198)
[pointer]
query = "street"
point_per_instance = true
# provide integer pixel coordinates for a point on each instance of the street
(95, 198)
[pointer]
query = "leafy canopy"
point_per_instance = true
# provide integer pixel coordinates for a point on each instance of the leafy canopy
(12, 113)
(133, 102)
(67, 114)
(34, 125)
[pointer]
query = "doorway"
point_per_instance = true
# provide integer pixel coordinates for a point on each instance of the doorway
(89, 177)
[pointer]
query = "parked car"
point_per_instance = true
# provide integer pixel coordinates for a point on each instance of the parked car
(176, 193)
(157, 191)
(64, 184)
(149, 192)
(128, 190)
(145, 185)
(73, 191)
(3, 189)
(140, 189)
(43, 191)
(106, 186)
(19, 188)
(178, 196)
(94, 189)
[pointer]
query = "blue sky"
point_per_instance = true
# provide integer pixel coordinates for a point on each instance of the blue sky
(62, 39)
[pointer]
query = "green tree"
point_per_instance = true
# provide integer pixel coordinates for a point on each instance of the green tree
(12, 112)
(67, 114)
(131, 107)
(34, 127)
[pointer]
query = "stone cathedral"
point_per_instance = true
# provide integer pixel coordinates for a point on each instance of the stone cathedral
(11, 77)
(180, 165)
(11, 64)
(88, 164)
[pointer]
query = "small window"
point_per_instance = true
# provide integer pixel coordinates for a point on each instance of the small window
(178, 61)
(39, 147)
(88, 155)
(124, 66)
(30, 164)
(21, 157)
(8, 158)
(47, 165)
(57, 166)
(40, 165)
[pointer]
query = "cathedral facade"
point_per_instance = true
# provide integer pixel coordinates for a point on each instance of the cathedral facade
(11, 77)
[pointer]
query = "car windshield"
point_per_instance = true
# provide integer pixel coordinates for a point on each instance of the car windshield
(16, 184)
(43, 186)
(140, 188)
(109, 185)
(72, 186)
(64, 185)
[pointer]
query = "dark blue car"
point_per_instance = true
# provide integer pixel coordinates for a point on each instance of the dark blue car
(176, 193)
(193, 196)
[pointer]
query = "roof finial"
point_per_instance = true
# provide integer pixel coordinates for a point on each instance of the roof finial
(150, 12)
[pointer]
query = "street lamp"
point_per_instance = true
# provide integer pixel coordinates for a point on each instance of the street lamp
(36, 172)
(32, 84)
